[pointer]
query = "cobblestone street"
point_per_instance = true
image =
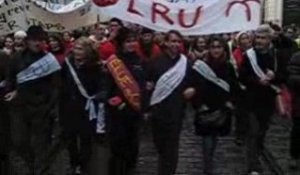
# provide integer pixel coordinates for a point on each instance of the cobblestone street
(229, 159)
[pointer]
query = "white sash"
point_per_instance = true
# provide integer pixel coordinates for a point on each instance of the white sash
(2, 84)
(202, 68)
(253, 61)
(232, 59)
(41, 68)
(90, 105)
(257, 70)
(169, 81)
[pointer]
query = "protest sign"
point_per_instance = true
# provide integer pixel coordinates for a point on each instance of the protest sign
(190, 17)
(19, 14)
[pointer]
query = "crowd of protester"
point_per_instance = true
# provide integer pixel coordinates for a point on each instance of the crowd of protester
(99, 86)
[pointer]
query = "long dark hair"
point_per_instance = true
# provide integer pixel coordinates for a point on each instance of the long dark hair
(195, 42)
(224, 45)
(123, 35)
(59, 39)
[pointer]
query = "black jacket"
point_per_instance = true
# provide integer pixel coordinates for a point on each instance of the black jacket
(259, 96)
(4, 62)
(293, 70)
(294, 83)
(214, 97)
(72, 103)
(35, 92)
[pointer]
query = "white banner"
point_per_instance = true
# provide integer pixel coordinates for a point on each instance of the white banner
(19, 14)
(190, 17)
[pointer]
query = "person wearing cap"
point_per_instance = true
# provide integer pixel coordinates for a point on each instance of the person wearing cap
(33, 76)
(19, 38)
(259, 74)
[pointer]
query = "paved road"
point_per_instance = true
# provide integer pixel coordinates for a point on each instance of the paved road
(229, 159)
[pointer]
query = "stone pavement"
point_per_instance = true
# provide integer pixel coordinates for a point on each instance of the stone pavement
(229, 158)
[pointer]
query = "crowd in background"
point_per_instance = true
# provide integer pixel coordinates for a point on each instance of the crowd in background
(84, 87)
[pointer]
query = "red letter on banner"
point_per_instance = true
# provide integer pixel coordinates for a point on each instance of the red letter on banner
(182, 18)
(163, 12)
(131, 8)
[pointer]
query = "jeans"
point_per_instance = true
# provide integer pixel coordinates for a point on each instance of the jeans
(258, 126)
(295, 139)
(30, 133)
(209, 147)
(166, 140)
(241, 122)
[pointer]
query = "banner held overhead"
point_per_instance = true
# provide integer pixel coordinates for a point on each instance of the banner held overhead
(191, 17)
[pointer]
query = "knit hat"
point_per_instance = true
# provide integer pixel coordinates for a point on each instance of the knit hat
(21, 34)
(239, 35)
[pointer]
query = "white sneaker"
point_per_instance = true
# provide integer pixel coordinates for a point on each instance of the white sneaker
(254, 173)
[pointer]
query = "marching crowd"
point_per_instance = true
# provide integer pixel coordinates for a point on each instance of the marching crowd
(100, 86)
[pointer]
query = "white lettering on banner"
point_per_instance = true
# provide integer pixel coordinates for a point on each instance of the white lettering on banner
(19, 14)
(189, 17)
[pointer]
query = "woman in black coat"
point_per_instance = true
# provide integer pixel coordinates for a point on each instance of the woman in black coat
(123, 119)
(213, 99)
(81, 103)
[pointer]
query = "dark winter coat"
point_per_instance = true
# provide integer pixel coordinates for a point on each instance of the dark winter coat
(293, 70)
(72, 103)
(214, 97)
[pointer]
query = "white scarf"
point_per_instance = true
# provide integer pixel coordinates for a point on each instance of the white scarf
(2, 84)
(257, 70)
(90, 105)
(253, 61)
(41, 68)
(169, 81)
(202, 68)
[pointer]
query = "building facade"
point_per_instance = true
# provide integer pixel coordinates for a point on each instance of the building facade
(282, 12)
(273, 11)
(291, 12)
